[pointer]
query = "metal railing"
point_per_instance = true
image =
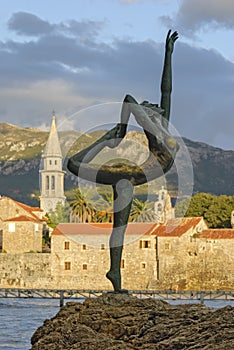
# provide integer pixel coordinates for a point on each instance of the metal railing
(83, 294)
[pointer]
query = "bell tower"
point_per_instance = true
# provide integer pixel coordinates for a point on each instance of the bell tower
(162, 208)
(51, 173)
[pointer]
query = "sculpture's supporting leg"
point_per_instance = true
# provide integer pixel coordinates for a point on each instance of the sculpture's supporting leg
(123, 192)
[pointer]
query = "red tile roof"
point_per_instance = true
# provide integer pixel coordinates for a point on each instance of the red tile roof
(26, 207)
(225, 233)
(23, 218)
(176, 227)
(102, 228)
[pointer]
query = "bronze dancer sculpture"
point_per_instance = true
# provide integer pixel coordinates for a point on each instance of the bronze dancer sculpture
(123, 177)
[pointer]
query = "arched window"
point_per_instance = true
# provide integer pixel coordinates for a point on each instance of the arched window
(47, 182)
(159, 207)
(52, 182)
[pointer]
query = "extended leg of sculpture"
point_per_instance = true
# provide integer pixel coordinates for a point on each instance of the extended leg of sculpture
(123, 192)
(111, 139)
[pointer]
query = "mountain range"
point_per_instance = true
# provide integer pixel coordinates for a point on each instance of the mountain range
(21, 150)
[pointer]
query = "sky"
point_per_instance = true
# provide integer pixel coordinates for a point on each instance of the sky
(70, 55)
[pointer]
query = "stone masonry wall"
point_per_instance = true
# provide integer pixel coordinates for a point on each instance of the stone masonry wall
(183, 263)
(198, 264)
(9, 209)
(26, 238)
(89, 262)
(26, 271)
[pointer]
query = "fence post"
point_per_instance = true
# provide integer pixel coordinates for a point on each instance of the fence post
(202, 297)
(61, 298)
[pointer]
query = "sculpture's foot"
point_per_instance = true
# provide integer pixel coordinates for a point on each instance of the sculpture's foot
(115, 279)
(120, 291)
(115, 135)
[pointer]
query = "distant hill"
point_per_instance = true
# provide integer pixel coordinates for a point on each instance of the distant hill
(21, 149)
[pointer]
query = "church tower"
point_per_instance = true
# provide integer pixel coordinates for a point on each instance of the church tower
(162, 208)
(51, 173)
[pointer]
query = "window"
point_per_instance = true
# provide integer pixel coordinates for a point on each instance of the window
(55, 162)
(66, 245)
(47, 182)
(143, 265)
(11, 227)
(102, 246)
(84, 246)
(67, 265)
(145, 244)
(85, 267)
(50, 162)
(167, 246)
(36, 227)
(122, 264)
(52, 182)
(159, 207)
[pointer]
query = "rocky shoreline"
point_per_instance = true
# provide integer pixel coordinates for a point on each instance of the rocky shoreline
(118, 321)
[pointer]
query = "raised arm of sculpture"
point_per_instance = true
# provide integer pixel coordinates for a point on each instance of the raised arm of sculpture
(166, 82)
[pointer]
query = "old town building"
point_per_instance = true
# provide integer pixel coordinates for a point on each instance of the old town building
(21, 227)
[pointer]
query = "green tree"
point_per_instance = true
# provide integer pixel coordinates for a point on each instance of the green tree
(216, 210)
(60, 214)
(81, 206)
(104, 208)
(218, 214)
(142, 211)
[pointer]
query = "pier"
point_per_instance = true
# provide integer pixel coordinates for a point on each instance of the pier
(63, 295)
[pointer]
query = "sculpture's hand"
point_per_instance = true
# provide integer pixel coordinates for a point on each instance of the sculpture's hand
(170, 40)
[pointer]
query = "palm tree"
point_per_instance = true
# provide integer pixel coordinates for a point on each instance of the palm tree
(142, 211)
(105, 201)
(81, 207)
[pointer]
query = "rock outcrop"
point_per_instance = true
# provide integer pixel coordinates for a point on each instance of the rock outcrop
(118, 321)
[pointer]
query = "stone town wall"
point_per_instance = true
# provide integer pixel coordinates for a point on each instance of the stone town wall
(198, 264)
(26, 271)
(183, 263)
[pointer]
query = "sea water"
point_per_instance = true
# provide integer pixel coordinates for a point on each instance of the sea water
(19, 318)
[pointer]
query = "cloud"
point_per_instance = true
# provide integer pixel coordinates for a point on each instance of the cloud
(27, 24)
(60, 71)
(193, 15)
(24, 23)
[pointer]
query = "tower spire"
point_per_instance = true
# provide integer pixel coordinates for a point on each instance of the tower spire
(53, 145)
(51, 174)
